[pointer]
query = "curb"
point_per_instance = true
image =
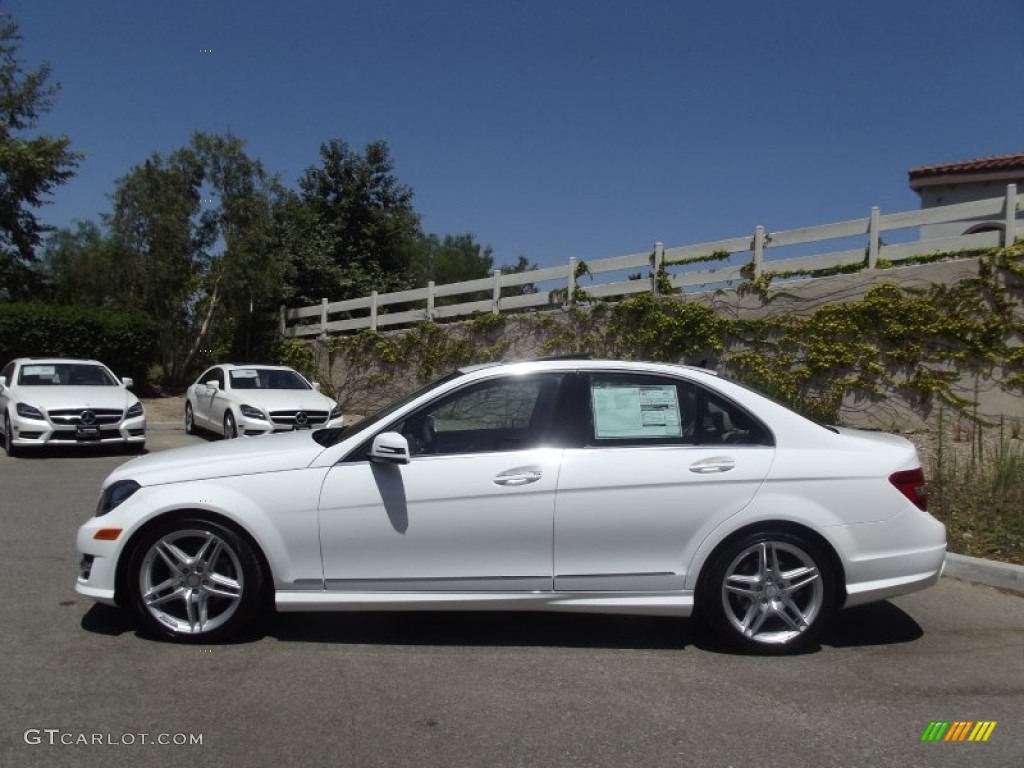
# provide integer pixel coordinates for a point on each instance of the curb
(988, 572)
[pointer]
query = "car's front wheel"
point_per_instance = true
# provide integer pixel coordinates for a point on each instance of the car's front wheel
(230, 428)
(769, 592)
(190, 421)
(195, 581)
(9, 448)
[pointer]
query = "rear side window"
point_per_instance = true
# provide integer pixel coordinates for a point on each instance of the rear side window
(638, 409)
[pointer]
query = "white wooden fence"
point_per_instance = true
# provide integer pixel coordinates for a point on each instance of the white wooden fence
(686, 268)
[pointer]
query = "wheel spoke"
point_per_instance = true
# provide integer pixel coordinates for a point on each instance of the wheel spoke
(191, 608)
(171, 555)
(222, 586)
(153, 592)
(208, 553)
(798, 578)
(762, 560)
(788, 607)
(762, 616)
(742, 585)
(177, 594)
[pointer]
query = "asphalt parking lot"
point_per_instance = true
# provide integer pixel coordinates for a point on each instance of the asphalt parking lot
(81, 687)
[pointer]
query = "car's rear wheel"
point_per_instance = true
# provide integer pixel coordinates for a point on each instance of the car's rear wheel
(230, 429)
(190, 421)
(9, 448)
(194, 581)
(770, 592)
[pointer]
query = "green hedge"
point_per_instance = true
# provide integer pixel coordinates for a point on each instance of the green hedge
(124, 341)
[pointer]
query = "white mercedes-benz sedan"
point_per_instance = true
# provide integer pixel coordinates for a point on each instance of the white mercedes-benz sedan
(57, 401)
(567, 485)
(247, 400)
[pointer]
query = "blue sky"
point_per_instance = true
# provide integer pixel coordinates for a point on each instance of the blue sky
(549, 128)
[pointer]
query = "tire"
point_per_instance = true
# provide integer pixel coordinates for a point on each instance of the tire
(9, 448)
(230, 428)
(190, 421)
(194, 581)
(769, 593)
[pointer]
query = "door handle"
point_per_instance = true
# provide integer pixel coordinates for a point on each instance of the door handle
(515, 477)
(713, 464)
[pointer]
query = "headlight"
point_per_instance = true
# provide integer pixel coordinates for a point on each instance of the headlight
(115, 494)
(28, 412)
(252, 413)
(335, 413)
(135, 410)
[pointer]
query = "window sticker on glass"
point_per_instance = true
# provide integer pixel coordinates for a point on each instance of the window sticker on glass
(636, 411)
(245, 373)
(39, 370)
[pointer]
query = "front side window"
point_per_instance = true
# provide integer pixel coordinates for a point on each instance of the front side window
(506, 414)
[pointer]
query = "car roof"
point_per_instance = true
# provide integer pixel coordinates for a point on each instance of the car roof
(587, 363)
(236, 366)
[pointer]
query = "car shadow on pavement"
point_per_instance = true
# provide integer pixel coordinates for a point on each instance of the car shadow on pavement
(874, 624)
(877, 624)
(77, 452)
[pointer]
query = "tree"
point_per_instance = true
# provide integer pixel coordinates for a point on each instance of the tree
(30, 168)
(453, 259)
(365, 217)
(78, 264)
(200, 269)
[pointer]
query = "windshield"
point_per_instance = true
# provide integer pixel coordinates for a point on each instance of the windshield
(328, 437)
(266, 378)
(65, 374)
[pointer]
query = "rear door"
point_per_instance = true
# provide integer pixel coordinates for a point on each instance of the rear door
(661, 462)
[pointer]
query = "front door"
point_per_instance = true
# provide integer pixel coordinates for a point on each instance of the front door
(473, 509)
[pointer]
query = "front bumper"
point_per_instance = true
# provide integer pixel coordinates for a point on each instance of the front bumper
(39, 433)
(249, 427)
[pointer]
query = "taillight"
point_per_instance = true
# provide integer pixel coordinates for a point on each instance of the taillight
(911, 483)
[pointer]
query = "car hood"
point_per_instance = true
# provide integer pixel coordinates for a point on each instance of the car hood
(283, 399)
(52, 397)
(224, 458)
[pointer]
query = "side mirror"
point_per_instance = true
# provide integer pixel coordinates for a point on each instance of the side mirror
(128, 382)
(316, 385)
(213, 384)
(389, 448)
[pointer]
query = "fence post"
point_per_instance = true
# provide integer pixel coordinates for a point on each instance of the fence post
(571, 291)
(1010, 226)
(430, 300)
(496, 296)
(657, 259)
(874, 238)
(758, 251)
(373, 310)
(323, 318)
(281, 321)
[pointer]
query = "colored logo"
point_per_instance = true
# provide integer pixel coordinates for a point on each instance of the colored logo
(958, 730)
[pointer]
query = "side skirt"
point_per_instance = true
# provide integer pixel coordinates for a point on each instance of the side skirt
(638, 603)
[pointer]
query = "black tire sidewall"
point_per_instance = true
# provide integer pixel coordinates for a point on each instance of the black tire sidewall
(230, 426)
(190, 419)
(254, 580)
(710, 599)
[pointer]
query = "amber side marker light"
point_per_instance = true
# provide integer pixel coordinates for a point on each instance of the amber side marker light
(107, 534)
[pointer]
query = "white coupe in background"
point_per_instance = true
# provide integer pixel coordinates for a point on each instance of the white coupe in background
(567, 485)
(56, 401)
(247, 400)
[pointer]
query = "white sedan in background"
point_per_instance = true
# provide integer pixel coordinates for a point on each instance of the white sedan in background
(564, 485)
(59, 401)
(247, 400)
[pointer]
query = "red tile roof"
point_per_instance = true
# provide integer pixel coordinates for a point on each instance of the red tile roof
(997, 163)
